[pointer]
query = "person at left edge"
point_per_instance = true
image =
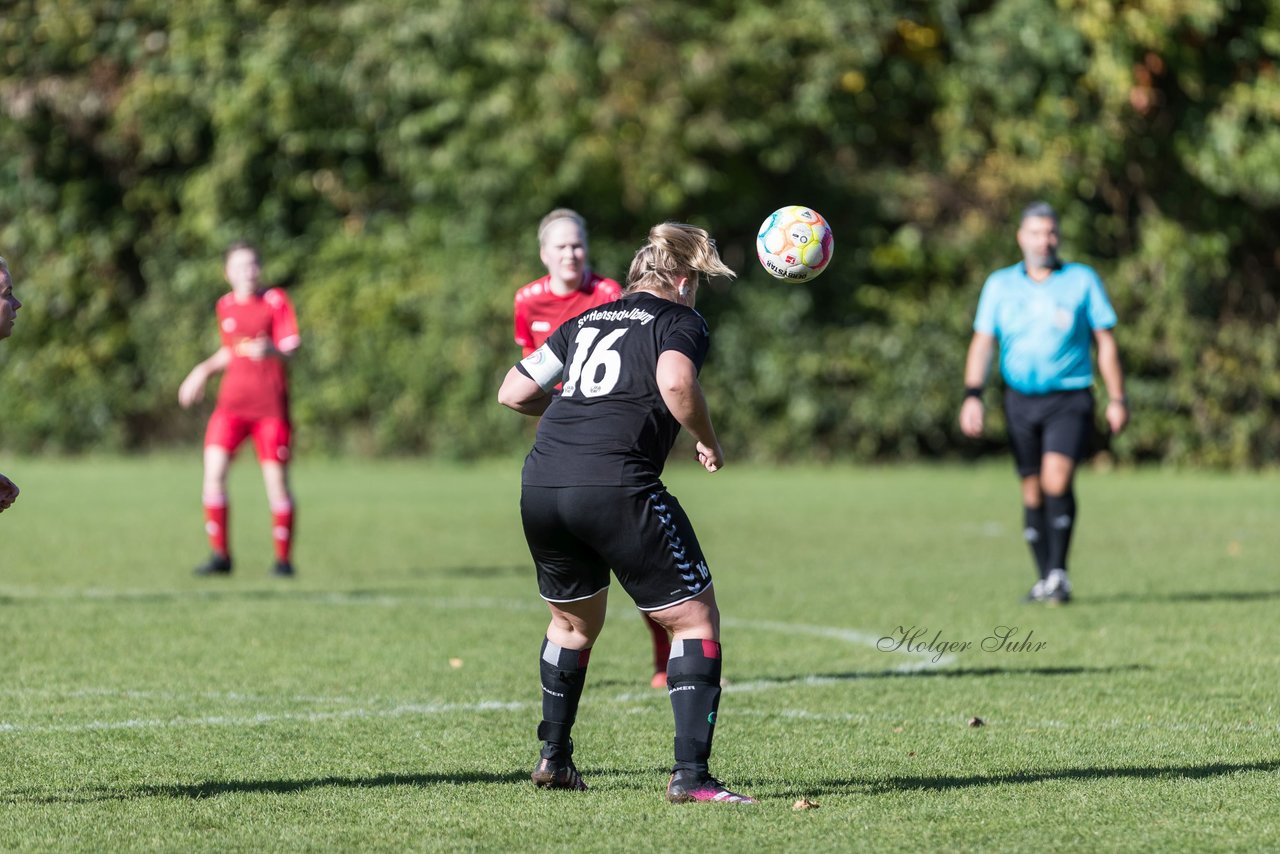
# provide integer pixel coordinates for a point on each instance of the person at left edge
(9, 306)
(259, 335)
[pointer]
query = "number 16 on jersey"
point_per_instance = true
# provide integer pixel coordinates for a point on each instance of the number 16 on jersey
(596, 365)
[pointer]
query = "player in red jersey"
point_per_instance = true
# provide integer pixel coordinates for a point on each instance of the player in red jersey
(570, 288)
(259, 334)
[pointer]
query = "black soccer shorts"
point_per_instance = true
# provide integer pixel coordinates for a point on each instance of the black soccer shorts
(1058, 422)
(576, 534)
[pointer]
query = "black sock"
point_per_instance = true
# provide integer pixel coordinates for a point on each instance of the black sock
(564, 672)
(1037, 537)
(693, 683)
(1060, 517)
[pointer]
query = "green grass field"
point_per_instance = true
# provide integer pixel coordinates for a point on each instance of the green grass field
(386, 699)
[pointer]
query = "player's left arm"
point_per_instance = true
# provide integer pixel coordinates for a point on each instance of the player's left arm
(677, 378)
(1112, 378)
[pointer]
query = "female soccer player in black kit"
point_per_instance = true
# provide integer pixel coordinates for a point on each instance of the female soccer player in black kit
(592, 497)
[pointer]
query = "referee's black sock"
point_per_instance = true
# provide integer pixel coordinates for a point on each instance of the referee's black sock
(693, 683)
(1037, 537)
(1060, 517)
(564, 672)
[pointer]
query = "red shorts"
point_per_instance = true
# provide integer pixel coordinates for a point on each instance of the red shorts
(271, 436)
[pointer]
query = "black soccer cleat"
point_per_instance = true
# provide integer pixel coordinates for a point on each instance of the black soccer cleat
(216, 565)
(557, 774)
(689, 786)
(283, 569)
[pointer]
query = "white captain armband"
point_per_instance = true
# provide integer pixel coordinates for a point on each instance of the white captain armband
(543, 367)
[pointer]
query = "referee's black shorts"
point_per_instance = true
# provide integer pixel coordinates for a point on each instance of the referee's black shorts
(1057, 422)
(576, 534)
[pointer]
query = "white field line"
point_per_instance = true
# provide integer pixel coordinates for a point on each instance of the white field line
(429, 709)
(180, 696)
(853, 636)
(345, 598)
(260, 719)
(925, 660)
(1012, 723)
(483, 603)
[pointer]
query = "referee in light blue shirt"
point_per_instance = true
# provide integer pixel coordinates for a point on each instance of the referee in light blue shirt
(1043, 313)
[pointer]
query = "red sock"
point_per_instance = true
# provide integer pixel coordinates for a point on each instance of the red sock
(661, 644)
(282, 529)
(215, 523)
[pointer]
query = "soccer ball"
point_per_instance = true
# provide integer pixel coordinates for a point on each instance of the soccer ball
(794, 243)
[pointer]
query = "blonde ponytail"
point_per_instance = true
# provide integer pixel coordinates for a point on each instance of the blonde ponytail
(674, 250)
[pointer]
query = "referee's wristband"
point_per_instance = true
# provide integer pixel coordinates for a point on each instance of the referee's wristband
(1120, 400)
(973, 391)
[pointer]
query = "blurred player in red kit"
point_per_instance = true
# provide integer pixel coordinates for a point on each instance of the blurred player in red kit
(570, 288)
(259, 334)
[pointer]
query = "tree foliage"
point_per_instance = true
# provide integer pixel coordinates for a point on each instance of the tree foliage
(392, 159)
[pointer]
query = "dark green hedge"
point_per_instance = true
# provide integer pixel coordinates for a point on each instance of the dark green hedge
(393, 157)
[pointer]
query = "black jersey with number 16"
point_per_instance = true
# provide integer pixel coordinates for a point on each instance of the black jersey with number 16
(610, 425)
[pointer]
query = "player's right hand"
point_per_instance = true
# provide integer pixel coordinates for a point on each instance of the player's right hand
(8, 493)
(711, 458)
